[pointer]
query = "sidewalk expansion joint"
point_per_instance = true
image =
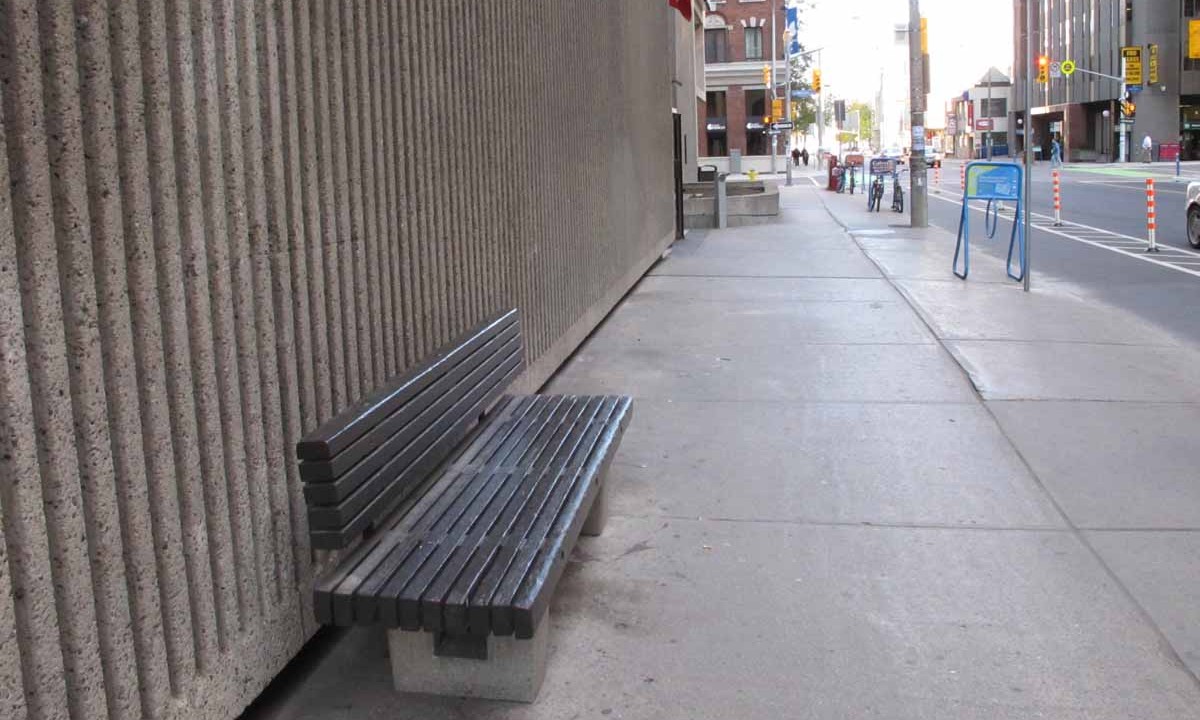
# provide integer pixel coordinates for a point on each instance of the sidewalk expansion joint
(861, 524)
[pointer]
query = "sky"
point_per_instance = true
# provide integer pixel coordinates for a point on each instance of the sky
(965, 38)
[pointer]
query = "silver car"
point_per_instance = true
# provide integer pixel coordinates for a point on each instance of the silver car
(1193, 214)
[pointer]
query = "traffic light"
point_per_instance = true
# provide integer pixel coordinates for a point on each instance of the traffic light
(816, 81)
(766, 70)
(1043, 69)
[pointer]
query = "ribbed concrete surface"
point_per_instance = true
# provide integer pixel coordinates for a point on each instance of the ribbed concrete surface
(223, 221)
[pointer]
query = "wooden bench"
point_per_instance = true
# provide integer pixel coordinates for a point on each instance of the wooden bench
(467, 504)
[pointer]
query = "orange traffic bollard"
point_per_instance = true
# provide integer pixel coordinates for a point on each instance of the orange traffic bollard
(962, 178)
(1057, 199)
(1151, 222)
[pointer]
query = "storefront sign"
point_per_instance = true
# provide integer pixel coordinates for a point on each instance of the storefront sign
(1194, 39)
(984, 124)
(1153, 64)
(1133, 64)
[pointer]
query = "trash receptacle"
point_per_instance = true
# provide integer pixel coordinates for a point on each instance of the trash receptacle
(735, 162)
(706, 173)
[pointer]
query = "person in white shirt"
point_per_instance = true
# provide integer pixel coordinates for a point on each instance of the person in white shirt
(1147, 146)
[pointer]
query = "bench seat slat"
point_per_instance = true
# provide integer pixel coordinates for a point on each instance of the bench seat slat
(485, 545)
(403, 608)
(442, 497)
(571, 481)
(512, 488)
(359, 564)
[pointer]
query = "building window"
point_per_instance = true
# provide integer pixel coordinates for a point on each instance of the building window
(1191, 8)
(754, 43)
(997, 109)
(716, 48)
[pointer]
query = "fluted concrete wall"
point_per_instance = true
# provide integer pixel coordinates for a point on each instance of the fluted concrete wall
(222, 221)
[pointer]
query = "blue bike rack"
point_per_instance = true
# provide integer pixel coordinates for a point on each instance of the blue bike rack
(994, 182)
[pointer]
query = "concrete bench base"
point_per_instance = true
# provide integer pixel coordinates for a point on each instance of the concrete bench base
(598, 516)
(513, 669)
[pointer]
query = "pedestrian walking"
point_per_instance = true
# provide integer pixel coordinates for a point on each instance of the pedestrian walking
(796, 157)
(1147, 146)
(804, 156)
(1055, 153)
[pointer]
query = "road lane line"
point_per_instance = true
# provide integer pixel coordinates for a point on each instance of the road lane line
(1179, 266)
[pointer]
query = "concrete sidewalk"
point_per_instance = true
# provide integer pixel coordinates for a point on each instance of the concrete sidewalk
(855, 487)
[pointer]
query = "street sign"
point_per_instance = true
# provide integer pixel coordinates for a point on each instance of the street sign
(1068, 67)
(883, 166)
(1153, 63)
(802, 94)
(985, 124)
(1056, 69)
(1133, 64)
(783, 125)
(1134, 88)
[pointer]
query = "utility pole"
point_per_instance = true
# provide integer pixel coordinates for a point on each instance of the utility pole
(1028, 134)
(918, 189)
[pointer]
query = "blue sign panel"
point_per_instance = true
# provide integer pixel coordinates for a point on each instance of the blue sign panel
(993, 181)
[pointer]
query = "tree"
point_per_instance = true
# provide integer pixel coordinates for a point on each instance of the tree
(866, 119)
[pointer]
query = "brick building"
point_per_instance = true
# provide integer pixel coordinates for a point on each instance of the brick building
(737, 44)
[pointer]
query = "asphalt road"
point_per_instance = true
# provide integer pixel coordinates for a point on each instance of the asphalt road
(1111, 199)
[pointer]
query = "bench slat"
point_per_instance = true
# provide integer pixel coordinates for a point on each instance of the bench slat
(337, 433)
(392, 494)
(511, 490)
(535, 591)
(400, 605)
(573, 481)
(336, 502)
(350, 572)
(356, 597)
(331, 479)
(484, 605)
(446, 494)
(444, 603)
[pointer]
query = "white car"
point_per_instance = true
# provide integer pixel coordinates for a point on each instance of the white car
(1193, 214)
(894, 153)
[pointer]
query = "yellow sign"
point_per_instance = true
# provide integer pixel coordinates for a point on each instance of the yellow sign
(924, 36)
(1194, 39)
(1068, 67)
(1153, 64)
(1133, 64)
(777, 108)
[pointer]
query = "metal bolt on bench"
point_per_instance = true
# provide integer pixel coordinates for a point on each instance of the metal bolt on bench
(468, 505)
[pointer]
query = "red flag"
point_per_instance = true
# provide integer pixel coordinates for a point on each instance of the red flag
(683, 6)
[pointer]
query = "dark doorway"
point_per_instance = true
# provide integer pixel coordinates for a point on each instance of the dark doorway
(677, 121)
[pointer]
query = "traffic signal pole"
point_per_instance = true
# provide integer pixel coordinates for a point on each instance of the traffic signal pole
(1028, 269)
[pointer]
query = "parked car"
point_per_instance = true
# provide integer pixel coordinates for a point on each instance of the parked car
(895, 153)
(1193, 214)
(933, 158)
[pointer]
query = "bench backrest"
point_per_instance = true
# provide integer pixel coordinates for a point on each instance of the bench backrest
(359, 465)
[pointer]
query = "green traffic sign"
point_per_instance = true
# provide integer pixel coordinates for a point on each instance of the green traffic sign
(1068, 67)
